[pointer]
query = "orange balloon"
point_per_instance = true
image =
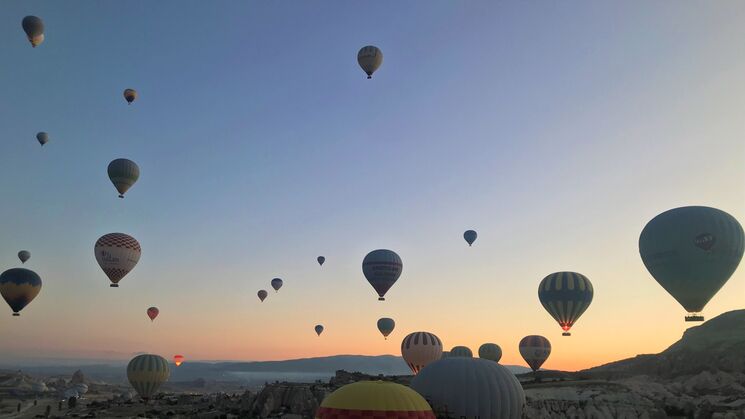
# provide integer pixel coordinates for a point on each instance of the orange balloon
(178, 359)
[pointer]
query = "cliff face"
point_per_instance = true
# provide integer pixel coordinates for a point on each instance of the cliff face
(717, 345)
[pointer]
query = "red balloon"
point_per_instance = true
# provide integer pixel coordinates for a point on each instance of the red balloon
(152, 312)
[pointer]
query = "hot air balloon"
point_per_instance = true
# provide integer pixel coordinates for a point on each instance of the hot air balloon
(470, 388)
(382, 268)
(535, 350)
(34, 28)
(320, 260)
(692, 252)
(153, 312)
(178, 360)
(123, 174)
(470, 237)
(374, 400)
(262, 295)
(42, 138)
(130, 95)
(24, 255)
(369, 58)
(19, 287)
(318, 329)
(461, 351)
(565, 295)
(117, 254)
(146, 373)
(386, 326)
(490, 351)
(419, 349)
(276, 284)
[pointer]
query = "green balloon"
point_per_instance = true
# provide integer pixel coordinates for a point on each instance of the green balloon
(692, 252)
(146, 373)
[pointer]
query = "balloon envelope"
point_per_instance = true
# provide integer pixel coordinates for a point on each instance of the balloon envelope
(490, 351)
(419, 349)
(42, 138)
(24, 255)
(178, 360)
(692, 252)
(535, 350)
(374, 400)
(123, 173)
(276, 284)
(146, 373)
(34, 28)
(565, 295)
(19, 287)
(320, 260)
(470, 388)
(153, 312)
(130, 95)
(117, 254)
(262, 294)
(470, 236)
(369, 58)
(461, 351)
(386, 326)
(318, 329)
(382, 268)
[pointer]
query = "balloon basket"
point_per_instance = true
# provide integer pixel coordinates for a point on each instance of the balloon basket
(566, 334)
(694, 318)
(114, 285)
(121, 196)
(381, 299)
(16, 314)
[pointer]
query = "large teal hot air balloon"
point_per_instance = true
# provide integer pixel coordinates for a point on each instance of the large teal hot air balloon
(19, 287)
(692, 252)
(382, 268)
(123, 174)
(490, 351)
(470, 236)
(146, 373)
(565, 295)
(386, 326)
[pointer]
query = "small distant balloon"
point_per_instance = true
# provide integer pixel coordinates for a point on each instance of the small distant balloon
(19, 287)
(320, 260)
(490, 351)
(386, 326)
(382, 268)
(42, 138)
(24, 255)
(470, 237)
(178, 360)
(369, 58)
(461, 351)
(117, 254)
(419, 349)
(565, 295)
(123, 173)
(318, 329)
(262, 295)
(34, 28)
(153, 312)
(130, 95)
(277, 284)
(535, 350)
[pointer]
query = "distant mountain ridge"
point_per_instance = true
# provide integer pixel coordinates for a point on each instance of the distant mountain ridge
(716, 345)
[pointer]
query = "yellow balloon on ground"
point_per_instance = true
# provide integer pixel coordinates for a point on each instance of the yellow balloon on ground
(374, 399)
(146, 373)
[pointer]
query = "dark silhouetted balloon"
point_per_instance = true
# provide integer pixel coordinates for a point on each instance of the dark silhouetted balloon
(318, 329)
(369, 58)
(42, 138)
(382, 268)
(123, 174)
(19, 287)
(565, 295)
(461, 351)
(262, 295)
(386, 326)
(490, 351)
(24, 255)
(153, 312)
(470, 236)
(34, 28)
(320, 260)
(419, 349)
(535, 350)
(130, 95)
(277, 284)
(692, 252)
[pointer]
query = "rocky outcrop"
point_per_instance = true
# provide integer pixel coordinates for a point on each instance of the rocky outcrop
(285, 398)
(78, 378)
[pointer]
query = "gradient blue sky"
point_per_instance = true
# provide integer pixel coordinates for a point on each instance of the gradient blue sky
(555, 129)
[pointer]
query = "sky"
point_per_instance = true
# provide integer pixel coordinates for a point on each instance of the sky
(554, 129)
